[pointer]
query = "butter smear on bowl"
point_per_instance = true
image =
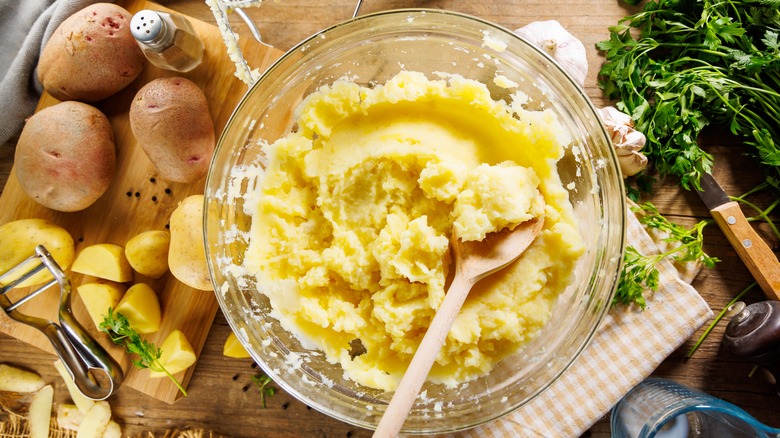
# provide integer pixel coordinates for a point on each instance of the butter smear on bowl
(352, 217)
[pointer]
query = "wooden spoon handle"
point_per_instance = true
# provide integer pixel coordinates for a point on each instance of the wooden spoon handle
(403, 398)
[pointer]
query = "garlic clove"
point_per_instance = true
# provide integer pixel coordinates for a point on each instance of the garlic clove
(563, 47)
(632, 163)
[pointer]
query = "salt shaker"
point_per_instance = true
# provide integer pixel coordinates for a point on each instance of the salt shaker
(168, 40)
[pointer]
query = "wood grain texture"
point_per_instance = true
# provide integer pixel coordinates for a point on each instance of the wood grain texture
(221, 397)
(137, 200)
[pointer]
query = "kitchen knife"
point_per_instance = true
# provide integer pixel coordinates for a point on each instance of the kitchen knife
(754, 251)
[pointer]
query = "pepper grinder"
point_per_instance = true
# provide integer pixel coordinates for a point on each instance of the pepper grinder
(167, 40)
(754, 334)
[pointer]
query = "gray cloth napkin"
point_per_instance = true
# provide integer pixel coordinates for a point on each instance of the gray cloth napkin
(25, 26)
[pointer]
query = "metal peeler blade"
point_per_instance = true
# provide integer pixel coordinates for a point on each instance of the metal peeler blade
(94, 372)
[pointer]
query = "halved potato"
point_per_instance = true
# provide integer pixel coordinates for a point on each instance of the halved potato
(104, 260)
(141, 307)
(99, 296)
(177, 354)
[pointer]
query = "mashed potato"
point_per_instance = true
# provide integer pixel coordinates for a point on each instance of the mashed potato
(353, 216)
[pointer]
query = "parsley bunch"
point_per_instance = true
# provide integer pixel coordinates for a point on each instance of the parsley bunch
(119, 331)
(695, 63)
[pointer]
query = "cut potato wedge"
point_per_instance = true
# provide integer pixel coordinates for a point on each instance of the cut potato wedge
(39, 416)
(104, 260)
(95, 421)
(82, 402)
(147, 252)
(177, 354)
(233, 348)
(69, 416)
(98, 297)
(141, 307)
(18, 380)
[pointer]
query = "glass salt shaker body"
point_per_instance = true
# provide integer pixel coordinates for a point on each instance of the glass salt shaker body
(168, 40)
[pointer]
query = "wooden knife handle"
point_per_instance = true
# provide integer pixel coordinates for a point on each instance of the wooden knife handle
(751, 248)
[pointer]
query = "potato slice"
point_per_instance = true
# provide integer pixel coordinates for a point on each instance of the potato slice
(19, 238)
(82, 402)
(147, 252)
(98, 297)
(141, 307)
(39, 416)
(104, 260)
(18, 380)
(177, 354)
(233, 348)
(69, 416)
(95, 421)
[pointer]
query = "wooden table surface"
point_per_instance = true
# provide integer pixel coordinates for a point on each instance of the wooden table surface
(222, 399)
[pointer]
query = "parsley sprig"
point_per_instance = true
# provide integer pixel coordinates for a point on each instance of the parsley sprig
(679, 66)
(119, 331)
(640, 272)
(263, 384)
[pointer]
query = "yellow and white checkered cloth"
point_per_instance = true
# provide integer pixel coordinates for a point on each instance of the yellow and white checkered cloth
(628, 347)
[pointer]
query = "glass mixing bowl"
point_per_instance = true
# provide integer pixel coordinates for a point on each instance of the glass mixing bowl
(369, 50)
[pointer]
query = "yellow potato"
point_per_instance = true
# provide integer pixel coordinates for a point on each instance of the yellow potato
(187, 254)
(233, 348)
(177, 354)
(18, 380)
(147, 252)
(19, 238)
(141, 307)
(98, 297)
(104, 260)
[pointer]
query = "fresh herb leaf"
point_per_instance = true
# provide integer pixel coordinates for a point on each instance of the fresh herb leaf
(640, 272)
(263, 384)
(119, 331)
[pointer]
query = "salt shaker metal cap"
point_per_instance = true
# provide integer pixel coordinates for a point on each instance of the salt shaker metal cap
(146, 26)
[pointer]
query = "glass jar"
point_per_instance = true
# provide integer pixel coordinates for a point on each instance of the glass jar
(168, 40)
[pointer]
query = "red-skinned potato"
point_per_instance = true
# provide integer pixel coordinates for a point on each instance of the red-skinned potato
(171, 122)
(91, 55)
(65, 158)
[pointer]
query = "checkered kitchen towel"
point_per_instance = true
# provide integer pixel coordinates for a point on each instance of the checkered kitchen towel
(628, 347)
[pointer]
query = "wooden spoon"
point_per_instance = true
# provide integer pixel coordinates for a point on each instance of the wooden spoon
(473, 262)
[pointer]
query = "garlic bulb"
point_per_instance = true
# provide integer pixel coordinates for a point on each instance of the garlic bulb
(565, 49)
(627, 141)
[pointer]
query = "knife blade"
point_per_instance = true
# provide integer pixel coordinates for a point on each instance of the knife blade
(751, 248)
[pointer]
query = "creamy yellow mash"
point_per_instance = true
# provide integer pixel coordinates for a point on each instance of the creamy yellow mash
(353, 216)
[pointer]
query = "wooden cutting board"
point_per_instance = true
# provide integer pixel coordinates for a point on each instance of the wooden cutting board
(138, 200)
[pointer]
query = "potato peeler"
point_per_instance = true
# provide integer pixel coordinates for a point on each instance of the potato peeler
(82, 356)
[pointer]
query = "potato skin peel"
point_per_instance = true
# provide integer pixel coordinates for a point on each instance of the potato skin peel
(91, 55)
(66, 158)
